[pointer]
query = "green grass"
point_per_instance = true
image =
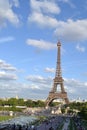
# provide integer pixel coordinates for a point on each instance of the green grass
(4, 118)
(72, 125)
(84, 122)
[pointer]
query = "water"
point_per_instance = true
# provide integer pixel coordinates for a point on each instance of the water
(21, 120)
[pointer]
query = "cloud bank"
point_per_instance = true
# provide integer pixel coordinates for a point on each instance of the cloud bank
(68, 30)
(7, 13)
(41, 44)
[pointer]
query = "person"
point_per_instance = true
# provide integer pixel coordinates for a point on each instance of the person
(51, 128)
(14, 126)
(20, 127)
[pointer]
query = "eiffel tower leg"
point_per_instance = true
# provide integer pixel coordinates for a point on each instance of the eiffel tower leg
(62, 88)
(54, 89)
(67, 100)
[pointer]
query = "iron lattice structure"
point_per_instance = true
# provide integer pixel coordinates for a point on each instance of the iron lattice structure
(58, 82)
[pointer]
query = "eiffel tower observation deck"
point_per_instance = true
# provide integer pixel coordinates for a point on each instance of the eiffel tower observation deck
(57, 82)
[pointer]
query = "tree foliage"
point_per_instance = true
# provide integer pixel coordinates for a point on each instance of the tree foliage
(81, 106)
(20, 102)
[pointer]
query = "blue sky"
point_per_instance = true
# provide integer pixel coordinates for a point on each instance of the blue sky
(29, 32)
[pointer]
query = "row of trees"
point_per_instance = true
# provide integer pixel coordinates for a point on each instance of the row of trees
(20, 102)
(81, 107)
(28, 103)
(78, 105)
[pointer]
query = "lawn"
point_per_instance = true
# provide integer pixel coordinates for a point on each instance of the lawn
(4, 118)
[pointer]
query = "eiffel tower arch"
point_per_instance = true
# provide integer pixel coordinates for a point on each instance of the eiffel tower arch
(57, 82)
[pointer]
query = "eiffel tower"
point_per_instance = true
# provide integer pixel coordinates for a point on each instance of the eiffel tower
(58, 82)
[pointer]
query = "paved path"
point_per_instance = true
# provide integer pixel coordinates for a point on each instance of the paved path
(66, 124)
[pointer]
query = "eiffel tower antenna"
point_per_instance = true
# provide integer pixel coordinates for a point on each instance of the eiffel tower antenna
(58, 80)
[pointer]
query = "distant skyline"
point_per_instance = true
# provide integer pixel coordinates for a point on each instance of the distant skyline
(29, 32)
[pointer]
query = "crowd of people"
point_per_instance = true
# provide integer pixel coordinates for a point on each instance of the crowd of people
(78, 123)
(50, 124)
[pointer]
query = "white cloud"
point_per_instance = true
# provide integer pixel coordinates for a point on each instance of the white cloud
(43, 20)
(73, 87)
(41, 44)
(51, 70)
(7, 67)
(45, 6)
(76, 88)
(38, 87)
(25, 90)
(10, 89)
(72, 30)
(80, 48)
(6, 12)
(7, 76)
(41, 13)
(37, 79)
(6, 39)
(34, 86)
(7, 79)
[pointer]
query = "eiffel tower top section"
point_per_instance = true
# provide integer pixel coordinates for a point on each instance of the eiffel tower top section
(58, 65)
